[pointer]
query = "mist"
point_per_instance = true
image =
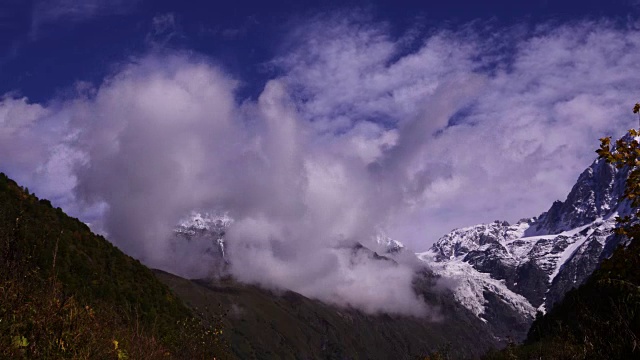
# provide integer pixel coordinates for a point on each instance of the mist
(169, 138)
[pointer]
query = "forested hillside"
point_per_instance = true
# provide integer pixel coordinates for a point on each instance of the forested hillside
(67, 293)
(263, 324)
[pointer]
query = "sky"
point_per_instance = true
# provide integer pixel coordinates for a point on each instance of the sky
(312, 124)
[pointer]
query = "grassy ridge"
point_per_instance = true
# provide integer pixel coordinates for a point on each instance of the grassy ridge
(68, 293)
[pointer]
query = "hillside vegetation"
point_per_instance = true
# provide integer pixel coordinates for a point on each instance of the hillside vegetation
(68, 293)
(263, 324)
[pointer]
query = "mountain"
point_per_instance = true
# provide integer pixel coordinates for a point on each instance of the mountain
(68, 293)
(503, 273)
(530, 265)
(601, 318)
(598, 320)
(265, 324)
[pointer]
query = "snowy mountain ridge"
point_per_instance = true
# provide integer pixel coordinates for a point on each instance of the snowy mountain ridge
(464, 257)
(390, 245)
(530, 265)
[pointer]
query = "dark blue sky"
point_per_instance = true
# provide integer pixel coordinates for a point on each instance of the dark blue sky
(45, 47)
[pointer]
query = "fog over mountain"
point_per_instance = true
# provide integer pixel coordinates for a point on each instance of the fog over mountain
(358, 132)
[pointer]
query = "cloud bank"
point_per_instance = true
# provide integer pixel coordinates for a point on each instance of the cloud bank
(359, 133)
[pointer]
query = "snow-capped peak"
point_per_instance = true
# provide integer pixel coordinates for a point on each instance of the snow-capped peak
(205, 221)
(389, 244)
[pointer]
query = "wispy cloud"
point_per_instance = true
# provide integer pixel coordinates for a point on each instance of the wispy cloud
(519, 140)
(73, 11)
(164, 27)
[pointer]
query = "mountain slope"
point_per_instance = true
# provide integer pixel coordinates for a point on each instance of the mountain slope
(262, 324)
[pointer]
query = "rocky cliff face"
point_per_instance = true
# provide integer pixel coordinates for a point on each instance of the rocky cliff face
(595, 195)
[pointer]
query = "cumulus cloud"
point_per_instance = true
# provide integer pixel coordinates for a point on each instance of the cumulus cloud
(164, 136)
(359, 134)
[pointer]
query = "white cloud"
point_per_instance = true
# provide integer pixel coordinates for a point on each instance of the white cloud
(17, 115)
(32, 148)
(357, 134)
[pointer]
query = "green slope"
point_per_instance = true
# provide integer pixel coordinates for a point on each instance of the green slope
(67, 293)
(261, 324)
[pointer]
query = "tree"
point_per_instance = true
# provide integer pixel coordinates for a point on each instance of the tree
(626, 153)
